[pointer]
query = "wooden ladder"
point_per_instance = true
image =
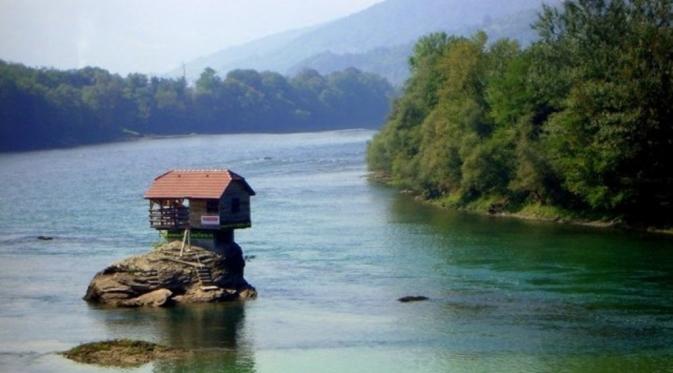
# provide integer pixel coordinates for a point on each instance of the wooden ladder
(205, 277)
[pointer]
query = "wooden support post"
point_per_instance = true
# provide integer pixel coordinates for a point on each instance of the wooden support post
(184, 240)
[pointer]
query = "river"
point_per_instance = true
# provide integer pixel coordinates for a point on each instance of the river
(330, 253)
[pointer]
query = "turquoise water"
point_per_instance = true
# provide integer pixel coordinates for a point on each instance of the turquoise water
(332, 253)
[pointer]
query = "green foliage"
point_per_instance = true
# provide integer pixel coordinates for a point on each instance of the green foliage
(581, 119)
(42, 108)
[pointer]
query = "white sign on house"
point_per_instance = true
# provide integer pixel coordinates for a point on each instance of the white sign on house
(210, 220)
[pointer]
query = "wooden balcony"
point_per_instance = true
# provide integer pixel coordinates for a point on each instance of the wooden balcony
(167, 218)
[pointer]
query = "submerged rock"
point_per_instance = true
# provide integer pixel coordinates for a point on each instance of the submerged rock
(122, 353)
(413, 298)
(162, 277)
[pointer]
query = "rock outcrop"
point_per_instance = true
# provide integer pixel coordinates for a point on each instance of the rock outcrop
(162, 277)
(413, 298)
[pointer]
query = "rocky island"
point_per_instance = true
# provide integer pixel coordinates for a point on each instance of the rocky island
(196, 213)
(163, 277)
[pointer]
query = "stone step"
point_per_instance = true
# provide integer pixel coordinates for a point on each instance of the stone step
(151, 278)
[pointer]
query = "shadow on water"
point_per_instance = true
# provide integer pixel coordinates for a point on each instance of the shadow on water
(512, 245)
(608, 290)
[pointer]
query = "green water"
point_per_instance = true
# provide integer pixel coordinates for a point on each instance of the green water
(332, 253)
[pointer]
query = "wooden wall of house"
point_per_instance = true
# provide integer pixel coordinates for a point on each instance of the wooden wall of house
(197, 207)
(235, 190)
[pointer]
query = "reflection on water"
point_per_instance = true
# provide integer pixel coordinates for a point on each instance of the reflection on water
(538, 286)
(204, 326)
(215, 332)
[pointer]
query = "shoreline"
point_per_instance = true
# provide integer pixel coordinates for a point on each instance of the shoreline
(474, 208)
(598, 223)
(149, 137)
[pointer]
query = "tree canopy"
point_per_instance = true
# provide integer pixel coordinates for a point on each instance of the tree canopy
(43, 108)
(581, 119)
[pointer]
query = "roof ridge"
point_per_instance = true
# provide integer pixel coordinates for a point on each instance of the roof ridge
(200, 170)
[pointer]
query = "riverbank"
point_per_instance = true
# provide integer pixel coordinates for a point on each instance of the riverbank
(498, 206)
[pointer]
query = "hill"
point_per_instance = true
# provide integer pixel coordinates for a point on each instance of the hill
(392, 62)
(360, 37)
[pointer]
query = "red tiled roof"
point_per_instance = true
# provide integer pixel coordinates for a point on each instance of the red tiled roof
(194, 184)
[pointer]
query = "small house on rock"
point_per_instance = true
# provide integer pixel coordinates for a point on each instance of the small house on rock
(201, 206)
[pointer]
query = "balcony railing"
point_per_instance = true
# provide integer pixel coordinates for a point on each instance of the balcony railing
(169, 218)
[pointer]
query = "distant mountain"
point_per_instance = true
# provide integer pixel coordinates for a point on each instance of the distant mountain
(243, 56)
(391, 62)
(383, 31)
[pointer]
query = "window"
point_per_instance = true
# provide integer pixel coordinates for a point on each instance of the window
(235, 205)
(212, 206)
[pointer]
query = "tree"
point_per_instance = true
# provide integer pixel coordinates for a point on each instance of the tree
(581, 119)
(45, 107)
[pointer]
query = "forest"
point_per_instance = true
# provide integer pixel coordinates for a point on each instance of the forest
(46, 108)
(578, 124)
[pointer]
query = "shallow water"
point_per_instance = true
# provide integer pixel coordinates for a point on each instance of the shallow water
(332, 253)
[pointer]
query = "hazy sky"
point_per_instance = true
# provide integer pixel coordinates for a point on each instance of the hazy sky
(151, 36)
